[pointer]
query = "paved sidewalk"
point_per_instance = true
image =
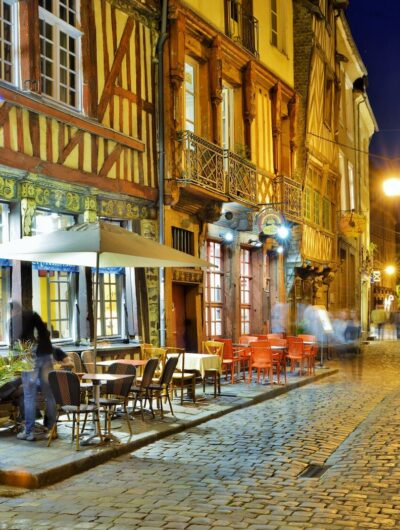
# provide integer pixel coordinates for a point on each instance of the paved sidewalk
(34, 465)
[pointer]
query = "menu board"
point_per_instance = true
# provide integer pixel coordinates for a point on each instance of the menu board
(323, 315)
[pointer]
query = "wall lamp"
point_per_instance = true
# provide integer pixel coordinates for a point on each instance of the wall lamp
(283, 232)
(280, 249)
(227, 236)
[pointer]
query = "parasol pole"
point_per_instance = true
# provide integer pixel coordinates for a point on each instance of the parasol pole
(96, 298)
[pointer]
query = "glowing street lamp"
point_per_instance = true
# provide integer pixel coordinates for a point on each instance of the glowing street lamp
(391, 187)
(390, 270)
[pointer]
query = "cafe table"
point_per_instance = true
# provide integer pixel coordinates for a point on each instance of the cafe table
(199, 362)
(97, 379)
(132, 362)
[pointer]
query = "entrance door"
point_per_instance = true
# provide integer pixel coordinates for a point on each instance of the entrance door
(185, 328)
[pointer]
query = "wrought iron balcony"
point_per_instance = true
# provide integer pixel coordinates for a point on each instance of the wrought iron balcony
(288, 193)
(203, 162)
(242, 26)
(218, 170)
(242, 179)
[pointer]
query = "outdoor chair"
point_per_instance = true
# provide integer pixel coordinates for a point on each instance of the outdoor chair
(141, 392)
(261, 359)
(142, 346)
(232, 358)
(296, 353)
(152, 352)
(275, 336)
(67, 394)
(213, 347)
(311, 355)
(279, 357)
(116, 393)
(87, 357)
(182, 378)
(79, 369)
(161, 389)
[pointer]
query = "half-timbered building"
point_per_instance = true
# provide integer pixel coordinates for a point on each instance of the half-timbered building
(230, 116)
(77, 143)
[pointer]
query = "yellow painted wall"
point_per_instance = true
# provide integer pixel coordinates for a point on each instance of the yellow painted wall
(279, 62)
(210, 10)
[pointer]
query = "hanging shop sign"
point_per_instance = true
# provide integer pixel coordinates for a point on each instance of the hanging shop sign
(269, 221)
(352, 224)
(376, 277)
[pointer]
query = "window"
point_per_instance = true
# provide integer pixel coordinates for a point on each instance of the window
(227, 109)
(317, 206)
(274, 23)
(245, 291)
(5, 284)
(8, 41)
(343, 182)
(352, 200)
(328, 101)
(54, 287)
(278, 29)
(190, 98)
(326, 214)
(183, 240)
(307, 203)
(214, 290)
(60, 51)
(109, 307)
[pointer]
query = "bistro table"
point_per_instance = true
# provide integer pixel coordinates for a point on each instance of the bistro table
(96, 380)
(132, 362)
(199, 362)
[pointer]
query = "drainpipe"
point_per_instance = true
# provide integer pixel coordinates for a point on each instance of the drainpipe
(161, 157)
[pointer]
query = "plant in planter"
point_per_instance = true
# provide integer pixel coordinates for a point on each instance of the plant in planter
(18, 360)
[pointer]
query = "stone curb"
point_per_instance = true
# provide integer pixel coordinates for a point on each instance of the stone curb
(56, 474)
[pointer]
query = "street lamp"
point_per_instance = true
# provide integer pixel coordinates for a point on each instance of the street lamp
(390, 269)
(391, 187)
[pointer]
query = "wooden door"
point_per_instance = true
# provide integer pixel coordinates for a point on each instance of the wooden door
(184, 316)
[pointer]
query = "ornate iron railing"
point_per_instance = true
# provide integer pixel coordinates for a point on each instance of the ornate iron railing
(242, 179)
(288, 193)
(203, 162)
(242, 26)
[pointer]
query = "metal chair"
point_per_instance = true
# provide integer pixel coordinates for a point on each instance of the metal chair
(142, 392)
(117, 393)
(162, 388)
(67, 394)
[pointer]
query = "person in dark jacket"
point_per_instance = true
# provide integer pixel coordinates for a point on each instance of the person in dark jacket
(27, 326)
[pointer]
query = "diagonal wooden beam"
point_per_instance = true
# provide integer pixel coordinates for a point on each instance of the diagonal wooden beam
(110, 161)
(75, 140)
(115, 69)
(4, 111)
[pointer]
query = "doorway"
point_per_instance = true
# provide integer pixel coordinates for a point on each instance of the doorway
(184, 316)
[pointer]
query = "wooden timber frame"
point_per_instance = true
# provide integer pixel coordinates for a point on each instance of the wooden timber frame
(95, 161)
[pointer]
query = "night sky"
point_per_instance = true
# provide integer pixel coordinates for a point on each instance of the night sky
(375, 26)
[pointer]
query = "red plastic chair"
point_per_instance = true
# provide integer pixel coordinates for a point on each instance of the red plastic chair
(232, 357)
(296, 354)
(279, 356)
(261, 359)
(275, 336)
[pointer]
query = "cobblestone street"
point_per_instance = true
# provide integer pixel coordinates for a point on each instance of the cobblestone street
(243, 470)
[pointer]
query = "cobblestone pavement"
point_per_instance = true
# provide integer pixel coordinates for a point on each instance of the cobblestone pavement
(243, 470)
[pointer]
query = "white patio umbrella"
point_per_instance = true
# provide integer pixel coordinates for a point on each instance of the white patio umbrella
(97, 245)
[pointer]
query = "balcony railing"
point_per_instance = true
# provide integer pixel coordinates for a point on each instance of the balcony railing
(242, 26)
(288, 193)
(242, 179)
(218, 170)
(203, 162)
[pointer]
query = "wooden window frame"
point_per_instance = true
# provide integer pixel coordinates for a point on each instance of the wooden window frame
(211, 304)
(194, 64)
(13, 43)
(245, 290)
(73, 35)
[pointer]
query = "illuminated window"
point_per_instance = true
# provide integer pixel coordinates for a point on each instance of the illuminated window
(108, 308)
(190, 96)
(278, 28)
(245, 291)
(5, 269)
(54, 287)
(214, 290)
(308, 203)
(8, 41)
(60, 51)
